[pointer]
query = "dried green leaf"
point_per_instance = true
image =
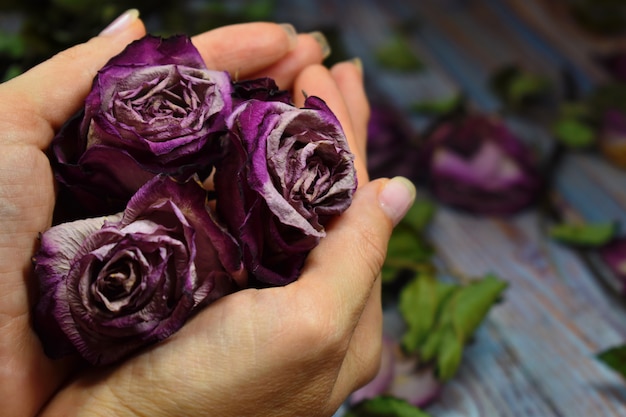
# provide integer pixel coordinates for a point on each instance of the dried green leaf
(573, 133)
(397, 54)
(615, 358)
(385, 406)
(438, 107)
(472, 303)
(419, 305)
(588, 235)
(449, 354)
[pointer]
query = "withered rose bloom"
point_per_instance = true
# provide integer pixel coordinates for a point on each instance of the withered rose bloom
(155, 108)
(110, 286)
(476, 163)
(287, 173)
(264, 89)
(390, 147)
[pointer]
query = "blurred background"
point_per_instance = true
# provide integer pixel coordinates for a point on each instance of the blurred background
(510, 116)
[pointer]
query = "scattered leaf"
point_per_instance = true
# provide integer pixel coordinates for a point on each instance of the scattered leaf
(438, 107)
(472, 303)
(615, 358)
(397, 54)
(573, 133)
(385, 406)
(589, 235)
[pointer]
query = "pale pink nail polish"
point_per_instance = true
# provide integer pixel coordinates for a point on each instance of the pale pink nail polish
(121, 23)
(397, 198)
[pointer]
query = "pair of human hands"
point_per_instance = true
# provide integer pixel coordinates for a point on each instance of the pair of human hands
(286, 351)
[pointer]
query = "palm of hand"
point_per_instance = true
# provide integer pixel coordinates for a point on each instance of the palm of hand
(27, 194)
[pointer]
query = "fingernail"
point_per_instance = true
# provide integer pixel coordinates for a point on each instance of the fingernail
(396, 198)
(323, 43)
(292, 34)
(358, 64)
(121, 23)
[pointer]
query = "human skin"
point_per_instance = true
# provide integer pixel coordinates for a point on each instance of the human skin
(238, 356)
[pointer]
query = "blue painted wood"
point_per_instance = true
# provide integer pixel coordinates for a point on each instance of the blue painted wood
(534, 355)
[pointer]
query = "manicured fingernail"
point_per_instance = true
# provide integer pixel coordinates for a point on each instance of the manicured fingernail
(121, 23)
(323, 42)
(397, 198)
(292, 34)
(358, 63)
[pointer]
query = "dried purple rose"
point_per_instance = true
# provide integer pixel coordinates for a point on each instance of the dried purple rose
(264, 89)
(111, 286)
(477, 164)
(154, 108)
(287, 173)
(390, 151)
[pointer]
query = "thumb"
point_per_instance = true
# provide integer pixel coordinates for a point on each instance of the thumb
(51, 92)
(349, 258)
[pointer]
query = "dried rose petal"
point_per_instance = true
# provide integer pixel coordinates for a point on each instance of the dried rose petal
(110, 286)
(287, 173)
(477, 164)
(154, 108)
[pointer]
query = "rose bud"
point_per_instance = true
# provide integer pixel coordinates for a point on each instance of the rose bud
(286, 173)
(477, 164)
(110, 286)
(612, 138)
(154, 108)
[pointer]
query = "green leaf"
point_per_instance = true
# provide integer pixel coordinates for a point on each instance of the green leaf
(385, 406)
(408, 249)
(438, 107)
(517, 87)
(589, 235)
(472, 303)
(449, 354)
(396, 54)
(12, 45)
(573, 133)
(615, 358)
(418, 306)
(420, 214)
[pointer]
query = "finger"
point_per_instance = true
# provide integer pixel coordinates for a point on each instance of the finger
(342, 270)
(311, 49)
(245, 48)
(50, 93)
(316, 80)
(362, 359)
(349, 79)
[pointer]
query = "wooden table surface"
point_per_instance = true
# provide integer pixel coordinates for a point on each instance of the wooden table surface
(535, 353)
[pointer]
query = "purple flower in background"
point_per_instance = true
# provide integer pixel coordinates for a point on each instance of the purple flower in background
(389, 148)
(477, 164)
(401, 376)
(154, 108)
(287, 173)
(110, 286)
(612, 139)
(615, 64)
